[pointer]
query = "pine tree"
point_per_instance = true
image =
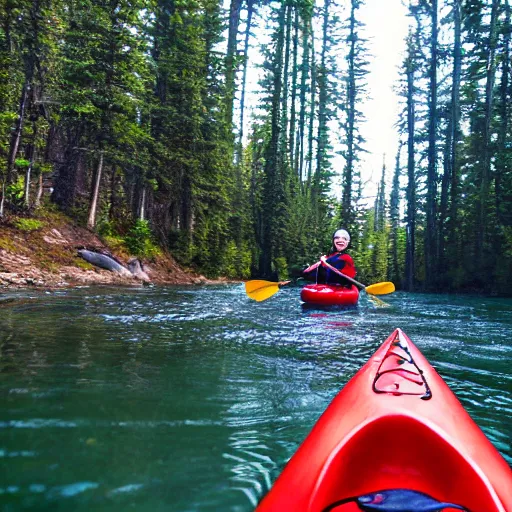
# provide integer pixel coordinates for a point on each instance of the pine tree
(273, 193)
(503, 170)
(431, 231)
(355, 89)
(394, 273)
(410, 252)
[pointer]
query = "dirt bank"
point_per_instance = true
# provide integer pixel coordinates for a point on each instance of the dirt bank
(47, 257)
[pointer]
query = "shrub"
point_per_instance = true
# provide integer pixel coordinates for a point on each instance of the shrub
(236, 263)
(281, 268)
(28, 225)
(14, 192)
(139, 240)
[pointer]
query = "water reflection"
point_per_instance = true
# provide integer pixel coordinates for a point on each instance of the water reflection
(194, 398)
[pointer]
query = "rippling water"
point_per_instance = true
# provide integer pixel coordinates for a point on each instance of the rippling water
(193, 399)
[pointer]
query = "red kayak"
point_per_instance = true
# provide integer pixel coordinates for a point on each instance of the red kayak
(395, 439)
(329, 295)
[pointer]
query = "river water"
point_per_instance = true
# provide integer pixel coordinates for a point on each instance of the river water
(193, 398)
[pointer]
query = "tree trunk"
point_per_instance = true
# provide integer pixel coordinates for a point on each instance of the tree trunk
(503, 171)
(28, 172)
(293, 113)
(142, 209)
(272, 188)
(2, 201)
(39, 194)
(250, 10)
(322, 137)
(380, 201)
(309, 156)
(18, 129)
(448, 230)
(481, 241)
(91, 221)
(394, 215)
(234, 20)
(411, 183)
(299, 155)
(430, 249)
(286, 74)
(347, 215)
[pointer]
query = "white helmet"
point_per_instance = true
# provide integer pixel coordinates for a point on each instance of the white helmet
(341, 233)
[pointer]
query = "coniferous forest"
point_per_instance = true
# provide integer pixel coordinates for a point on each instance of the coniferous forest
(131, 116)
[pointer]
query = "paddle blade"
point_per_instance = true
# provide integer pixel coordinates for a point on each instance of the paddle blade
(380, 288)
(261, 290)
(378, 302)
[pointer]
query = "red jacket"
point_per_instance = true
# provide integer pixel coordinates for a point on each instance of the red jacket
(341, 261)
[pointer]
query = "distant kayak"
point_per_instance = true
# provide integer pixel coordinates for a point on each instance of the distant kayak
(394, 439)
(329, 295)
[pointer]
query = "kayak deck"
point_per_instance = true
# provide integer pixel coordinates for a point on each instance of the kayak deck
(394, 439)
(408, 450)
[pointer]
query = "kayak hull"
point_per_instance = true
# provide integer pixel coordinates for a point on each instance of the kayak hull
(329, 295)
(394, 432)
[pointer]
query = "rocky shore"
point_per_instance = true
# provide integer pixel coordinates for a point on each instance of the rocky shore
(49, 257)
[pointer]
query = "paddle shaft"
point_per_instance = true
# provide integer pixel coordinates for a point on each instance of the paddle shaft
(334, 269)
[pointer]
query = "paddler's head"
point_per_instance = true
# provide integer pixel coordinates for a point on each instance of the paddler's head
(340, 240)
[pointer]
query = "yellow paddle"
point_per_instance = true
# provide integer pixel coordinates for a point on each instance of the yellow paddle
(261, 290)
(374, 289)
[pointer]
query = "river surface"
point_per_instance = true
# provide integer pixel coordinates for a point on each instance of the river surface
(193, 398)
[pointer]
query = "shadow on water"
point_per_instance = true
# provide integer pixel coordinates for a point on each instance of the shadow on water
(191, 399)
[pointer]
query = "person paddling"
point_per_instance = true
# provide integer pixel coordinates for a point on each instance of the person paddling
(337, 258)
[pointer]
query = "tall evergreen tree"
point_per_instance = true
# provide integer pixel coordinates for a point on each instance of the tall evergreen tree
(353, 141)
(503, 169)
(394, 273)
(482, 241)
(327, 99)
(273, 193)
(410, 252)
(451, 177)
(231, 58)
(431, 231)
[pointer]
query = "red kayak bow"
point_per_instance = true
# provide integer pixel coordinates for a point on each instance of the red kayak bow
(395, 439)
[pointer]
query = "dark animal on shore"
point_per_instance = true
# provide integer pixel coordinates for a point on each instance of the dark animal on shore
(103, 261)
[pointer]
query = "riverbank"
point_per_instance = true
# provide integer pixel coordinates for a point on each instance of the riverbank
(44, 254)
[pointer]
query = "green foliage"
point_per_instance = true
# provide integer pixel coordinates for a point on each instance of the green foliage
(236, 262)
(380, 258)
(115, 242)
(230, 260)
(22, 163)
(365, 246)
(106, 228)
(79, 212)
(501, 284)
(397, 277)
(45, 168)
(14, 192)
(281, 267)
(7, 244)
(81, 263)
(28, 225)
(371, 256)
(139, 240)
(7, 119)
